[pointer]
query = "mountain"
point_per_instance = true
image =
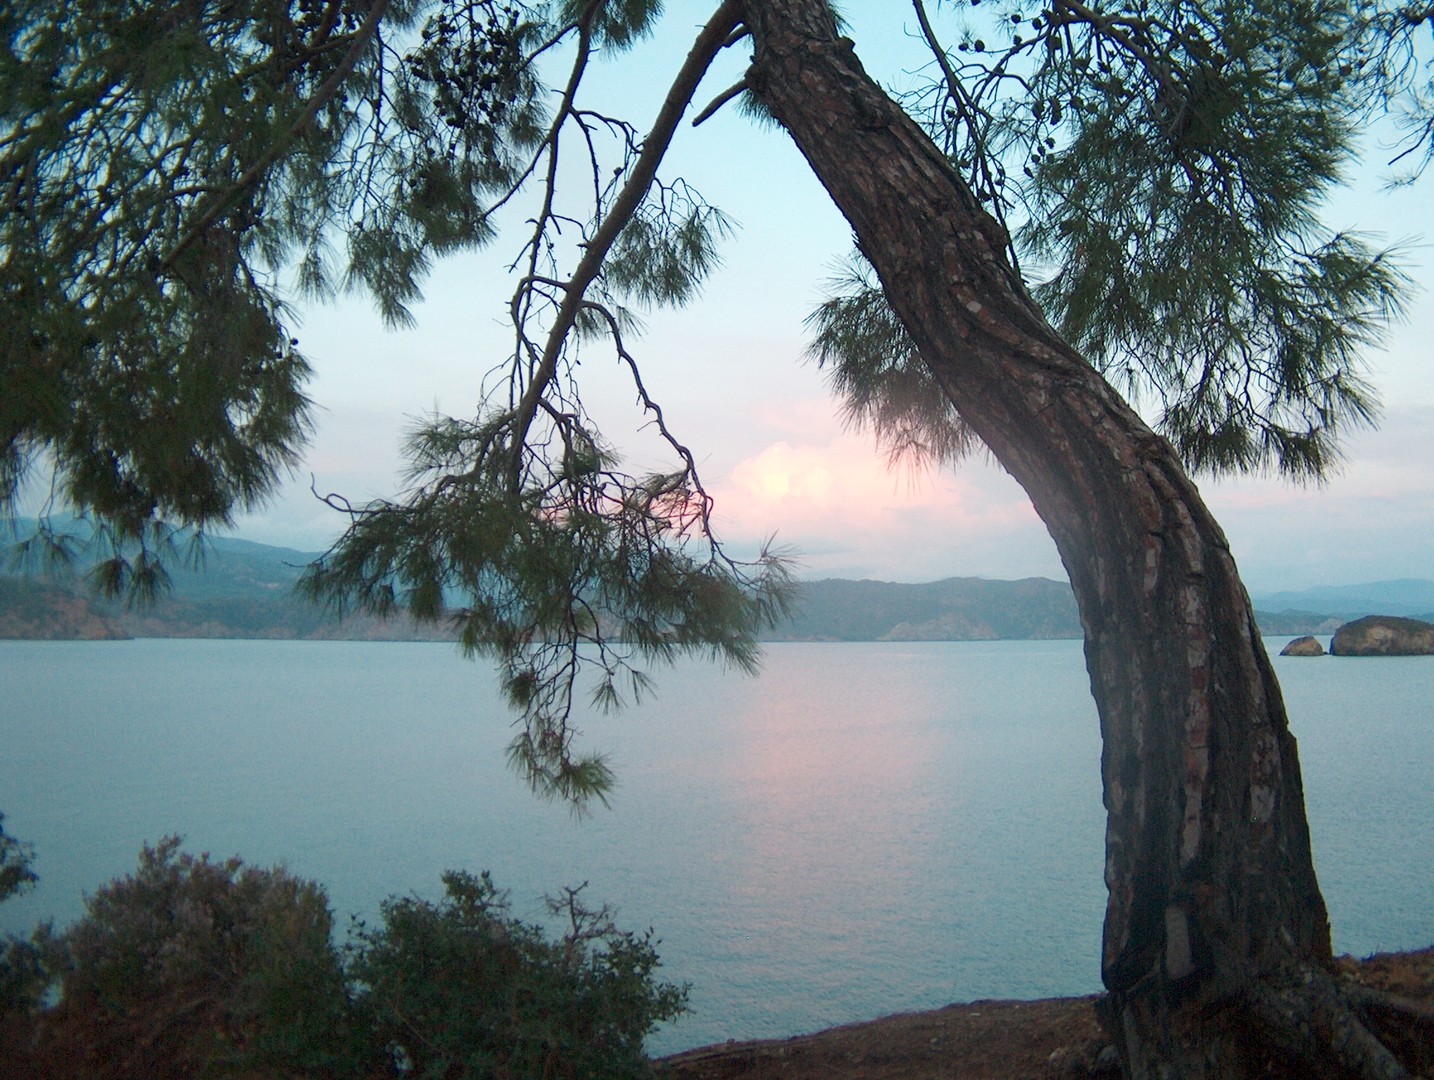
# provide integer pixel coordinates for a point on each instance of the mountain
(956, 609)
(239, 589)
(1410, 597)
(245, 590)
(37, 611)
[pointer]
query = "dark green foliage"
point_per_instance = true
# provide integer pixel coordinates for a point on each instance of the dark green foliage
(462, 989)
(874, 368)
(27, 970)
(617, 23)
(16, 858)
(233, 965)
(169, 167)
(141, 348)
(667, 249)
(549, 564)
(23, 976)
(159, 166)
(192, 967)
(1390, 60)
(1180, 207)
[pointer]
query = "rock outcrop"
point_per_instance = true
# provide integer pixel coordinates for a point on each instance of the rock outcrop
(1303, 646)
(1383, 635)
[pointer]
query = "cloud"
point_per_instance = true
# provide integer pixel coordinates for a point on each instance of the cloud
(849, 515)
(830, 495)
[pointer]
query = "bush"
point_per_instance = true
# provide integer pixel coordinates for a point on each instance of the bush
(15, 858)
(460, 988)
(210, 966)
(23, 974)
(28, 970)
(195, 968)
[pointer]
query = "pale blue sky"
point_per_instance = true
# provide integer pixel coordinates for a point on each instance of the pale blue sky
(730, 374)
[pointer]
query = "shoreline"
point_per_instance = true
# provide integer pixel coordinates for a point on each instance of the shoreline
(1043, 1039)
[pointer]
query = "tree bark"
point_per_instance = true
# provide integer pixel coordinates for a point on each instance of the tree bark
(1215, 929)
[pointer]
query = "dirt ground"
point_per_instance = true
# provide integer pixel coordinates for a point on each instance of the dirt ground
(1057, 1039)
(986, 1040)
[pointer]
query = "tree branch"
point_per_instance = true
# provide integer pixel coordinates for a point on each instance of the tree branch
(257, 169)
(720, 100)
(708, 44)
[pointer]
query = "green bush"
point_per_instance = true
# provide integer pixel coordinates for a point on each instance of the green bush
(24, 979)
(28, 970)
(195, 968)
(15, 858)
(226, 966)
(462, 989)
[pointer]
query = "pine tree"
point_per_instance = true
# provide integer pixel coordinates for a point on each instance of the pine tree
(1160, 163)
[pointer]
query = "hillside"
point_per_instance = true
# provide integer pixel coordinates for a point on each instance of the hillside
(245, 590)
(46, 611)
(36, 611)
(239, 590)
(956, 609)
(1408, 597)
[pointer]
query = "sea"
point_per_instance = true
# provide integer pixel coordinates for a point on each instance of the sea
(859, 830)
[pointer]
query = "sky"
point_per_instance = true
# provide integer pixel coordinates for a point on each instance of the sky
(771, 445)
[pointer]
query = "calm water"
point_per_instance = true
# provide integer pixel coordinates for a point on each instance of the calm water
(861, 830)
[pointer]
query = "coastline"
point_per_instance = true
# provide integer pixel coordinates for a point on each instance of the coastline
(1048, 1039)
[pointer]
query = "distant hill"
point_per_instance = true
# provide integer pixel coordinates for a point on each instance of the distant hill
(245, 590)
(1291, 623)
(47, 611)
(37, 611)
(240, 590)
(956, 609)
(1408, 597)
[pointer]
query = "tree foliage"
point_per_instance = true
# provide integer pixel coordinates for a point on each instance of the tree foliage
(1161, 167)
(16, 864)
(169, 167)
(160, 165)
(247, 948)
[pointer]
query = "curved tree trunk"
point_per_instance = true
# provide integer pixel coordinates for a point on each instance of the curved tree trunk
(1216, 941)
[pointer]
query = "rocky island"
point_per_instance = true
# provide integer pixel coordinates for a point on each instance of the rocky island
(1383, 635)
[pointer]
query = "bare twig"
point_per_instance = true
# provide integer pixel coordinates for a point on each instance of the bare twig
(720, 100)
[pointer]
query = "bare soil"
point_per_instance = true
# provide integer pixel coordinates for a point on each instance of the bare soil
(1055, 1039)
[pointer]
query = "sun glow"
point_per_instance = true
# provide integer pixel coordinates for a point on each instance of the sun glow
(833, 497)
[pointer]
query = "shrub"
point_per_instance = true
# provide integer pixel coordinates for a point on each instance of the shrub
(196, 968)
(24, 978)
(211, 967)
(28, 969)
(15, 858)
(461, 988)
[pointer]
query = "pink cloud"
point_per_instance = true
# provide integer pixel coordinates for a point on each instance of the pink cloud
(840, 505)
